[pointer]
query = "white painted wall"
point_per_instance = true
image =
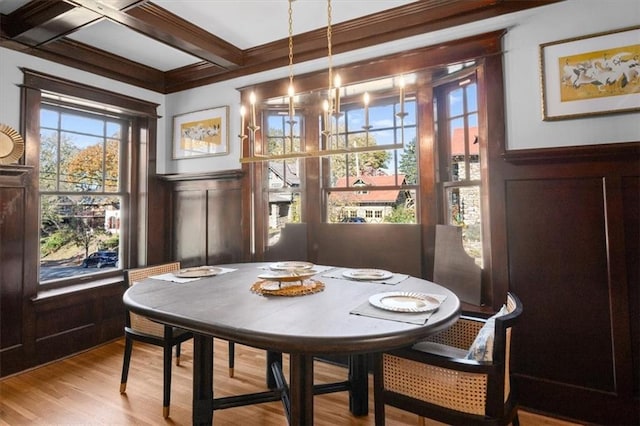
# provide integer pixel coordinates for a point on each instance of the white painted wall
(525, 127)
(11, 77)
(573, 18)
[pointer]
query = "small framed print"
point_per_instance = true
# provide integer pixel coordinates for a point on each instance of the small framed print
(201, 133)
(591, 75)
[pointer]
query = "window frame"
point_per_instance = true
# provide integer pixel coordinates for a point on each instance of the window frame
(442, 90)
(143, 120)
(122, 192)
(352, 104)
(486, 50)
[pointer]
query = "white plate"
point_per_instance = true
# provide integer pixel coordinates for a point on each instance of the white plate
(286, 276)
(367, 274)
(290, 265)
(197, 272)
(404, 301)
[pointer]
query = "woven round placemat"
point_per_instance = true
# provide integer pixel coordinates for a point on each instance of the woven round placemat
(309, 286)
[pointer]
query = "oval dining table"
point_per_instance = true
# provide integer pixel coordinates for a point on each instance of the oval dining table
(304, 326)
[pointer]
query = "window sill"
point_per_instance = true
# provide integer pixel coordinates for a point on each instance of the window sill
(47, 294)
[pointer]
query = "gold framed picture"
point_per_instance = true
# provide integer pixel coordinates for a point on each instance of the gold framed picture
(591, 75)
(201, 133)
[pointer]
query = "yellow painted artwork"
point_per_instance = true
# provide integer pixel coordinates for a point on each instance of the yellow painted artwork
(203, 136)
(599, 74)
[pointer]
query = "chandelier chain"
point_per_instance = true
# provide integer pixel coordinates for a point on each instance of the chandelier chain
(290, 43)
(329, 54)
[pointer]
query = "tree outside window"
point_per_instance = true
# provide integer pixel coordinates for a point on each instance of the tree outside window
(80, 191)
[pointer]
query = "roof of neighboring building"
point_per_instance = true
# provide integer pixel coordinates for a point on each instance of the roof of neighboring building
(286, 172)
(457, 141)
(362, 196)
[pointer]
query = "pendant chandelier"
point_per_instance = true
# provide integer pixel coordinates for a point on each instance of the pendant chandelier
(331, 114)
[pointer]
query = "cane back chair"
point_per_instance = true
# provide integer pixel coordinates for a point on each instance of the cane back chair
(459, 376)
(141, 329)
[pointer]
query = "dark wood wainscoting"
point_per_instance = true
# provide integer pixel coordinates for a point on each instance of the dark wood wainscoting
(72, 322)
(207, 218)
(395, 247)
(39, 325)
(572, 223)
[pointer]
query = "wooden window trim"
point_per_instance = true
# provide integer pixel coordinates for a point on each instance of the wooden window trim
(143, 120)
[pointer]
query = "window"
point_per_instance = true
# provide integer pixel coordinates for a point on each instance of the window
(91, 149)
(82, 190)
(459, 150)
(284, 191)
(441, 175)
(384, 180)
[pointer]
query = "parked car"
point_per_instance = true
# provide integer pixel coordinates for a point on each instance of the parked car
(353, 220)
(100, 259)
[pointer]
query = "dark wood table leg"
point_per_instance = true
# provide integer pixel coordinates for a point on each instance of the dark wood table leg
(359, 379)
(202, 380)
(271, 358)
(301, 389)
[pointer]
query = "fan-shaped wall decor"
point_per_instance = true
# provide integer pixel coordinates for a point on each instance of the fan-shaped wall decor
(11, 145)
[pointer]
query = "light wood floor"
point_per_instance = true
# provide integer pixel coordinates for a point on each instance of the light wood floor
(84, 390)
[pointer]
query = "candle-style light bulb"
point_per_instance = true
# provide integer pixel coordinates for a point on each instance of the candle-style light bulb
(252, 100)
(402, 84)
(243, 111)
(366, 109)
(325, 109)
(292, 111)
(337, 81)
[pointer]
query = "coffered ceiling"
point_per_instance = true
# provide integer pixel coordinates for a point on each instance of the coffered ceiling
(172, 45)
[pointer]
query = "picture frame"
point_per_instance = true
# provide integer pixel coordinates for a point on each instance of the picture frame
(201, 133)
(591, 75)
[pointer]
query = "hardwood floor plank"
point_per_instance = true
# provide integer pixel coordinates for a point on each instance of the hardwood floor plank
(84, 390)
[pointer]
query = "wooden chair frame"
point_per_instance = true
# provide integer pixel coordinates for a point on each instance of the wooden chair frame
(141, 329)
(434, 385)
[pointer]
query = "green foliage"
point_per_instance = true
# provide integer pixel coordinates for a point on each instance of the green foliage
(111, 243)
(55, 241)
(408, 163)
(401, 214)
(295, 209)
(362, 163)
(52, 152)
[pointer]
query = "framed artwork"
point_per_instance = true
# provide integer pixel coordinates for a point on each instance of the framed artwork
(201, 133)
(591, 75)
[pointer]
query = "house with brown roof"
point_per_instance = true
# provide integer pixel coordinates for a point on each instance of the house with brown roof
(372, 206)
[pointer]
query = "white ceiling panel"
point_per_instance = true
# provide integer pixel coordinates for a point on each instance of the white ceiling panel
(122, 41)
(250, 23)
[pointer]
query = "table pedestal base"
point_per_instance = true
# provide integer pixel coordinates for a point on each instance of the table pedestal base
(297, 397)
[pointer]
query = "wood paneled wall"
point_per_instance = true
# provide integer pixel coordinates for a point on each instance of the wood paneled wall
(36, 330)
(207, 218)
(37, 327)
(571, 233)
(395, 247)
(572, 225)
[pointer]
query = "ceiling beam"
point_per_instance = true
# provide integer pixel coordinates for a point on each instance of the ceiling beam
(160, 25)
(185, 36)
(39, 21)
(404, 21)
